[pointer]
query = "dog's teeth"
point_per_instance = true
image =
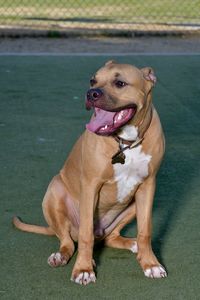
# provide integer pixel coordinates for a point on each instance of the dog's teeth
(105, 127)
(120, 116)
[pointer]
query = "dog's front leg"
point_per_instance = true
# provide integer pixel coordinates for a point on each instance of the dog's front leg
(83, 270)
(144, 202)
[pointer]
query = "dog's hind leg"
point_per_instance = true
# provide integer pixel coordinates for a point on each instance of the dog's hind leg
(56, 215)
(115, 240)
(65, 252)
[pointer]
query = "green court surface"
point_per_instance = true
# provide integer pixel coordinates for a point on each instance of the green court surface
(42, 114)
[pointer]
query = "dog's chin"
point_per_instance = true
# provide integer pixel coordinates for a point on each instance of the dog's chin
(107, 122)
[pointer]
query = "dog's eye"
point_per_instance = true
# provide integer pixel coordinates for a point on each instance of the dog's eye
(93, 82)
(120, 84)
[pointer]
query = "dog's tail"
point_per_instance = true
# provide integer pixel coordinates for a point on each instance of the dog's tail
(32, 228)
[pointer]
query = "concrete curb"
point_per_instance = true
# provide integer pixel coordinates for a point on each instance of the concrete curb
(17, 32)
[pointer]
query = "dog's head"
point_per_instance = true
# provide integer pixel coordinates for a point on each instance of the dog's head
(118, 93)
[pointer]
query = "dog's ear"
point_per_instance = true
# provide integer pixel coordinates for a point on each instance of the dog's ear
(149, 75)
(110, 62)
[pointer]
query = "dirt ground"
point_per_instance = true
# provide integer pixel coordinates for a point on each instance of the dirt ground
(180, 45)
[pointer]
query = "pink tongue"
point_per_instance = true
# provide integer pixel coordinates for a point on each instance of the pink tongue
(100, 119)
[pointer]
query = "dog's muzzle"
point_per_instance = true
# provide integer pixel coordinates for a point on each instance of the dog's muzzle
(93, 95)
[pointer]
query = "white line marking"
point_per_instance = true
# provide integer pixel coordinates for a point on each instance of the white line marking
(99, 54)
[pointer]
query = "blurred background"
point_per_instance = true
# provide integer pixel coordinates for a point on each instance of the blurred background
(178, 20)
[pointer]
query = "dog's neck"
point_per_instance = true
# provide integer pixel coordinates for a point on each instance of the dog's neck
(128, 133)
(130, 136)
(135, 130)
(145, 121)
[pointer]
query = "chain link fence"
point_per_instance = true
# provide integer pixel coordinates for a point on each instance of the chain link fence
(102, 16)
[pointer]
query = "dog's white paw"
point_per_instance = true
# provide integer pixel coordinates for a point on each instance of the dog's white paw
(84, 278)
(134, 247)
(57, 259)
(155, 272)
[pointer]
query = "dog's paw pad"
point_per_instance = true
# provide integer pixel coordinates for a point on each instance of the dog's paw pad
(155, 272)
(84, 278)
(57, 259)
(134, 247)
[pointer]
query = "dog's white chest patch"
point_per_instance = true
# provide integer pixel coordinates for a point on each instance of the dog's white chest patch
(132, 173)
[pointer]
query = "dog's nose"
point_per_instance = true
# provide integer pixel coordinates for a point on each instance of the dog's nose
(94, 94)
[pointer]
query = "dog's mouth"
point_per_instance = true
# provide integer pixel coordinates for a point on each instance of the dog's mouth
(107, 122)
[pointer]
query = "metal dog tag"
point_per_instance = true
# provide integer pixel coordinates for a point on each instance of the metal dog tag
(119, 157)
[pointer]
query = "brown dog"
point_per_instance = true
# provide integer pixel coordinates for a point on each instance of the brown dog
(109, 177)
